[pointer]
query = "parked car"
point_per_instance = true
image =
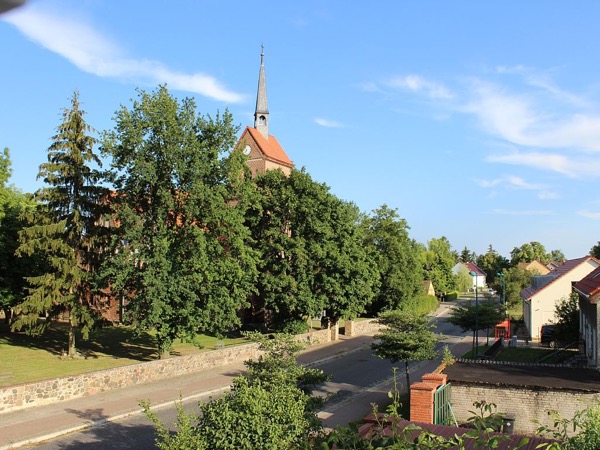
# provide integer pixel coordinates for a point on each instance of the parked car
(548, 336)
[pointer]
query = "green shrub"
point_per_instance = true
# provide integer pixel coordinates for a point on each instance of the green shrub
(452, 295)
(421, 304)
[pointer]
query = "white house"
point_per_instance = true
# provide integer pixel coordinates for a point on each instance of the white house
(588, 290)
(479, 279)
(541, 297)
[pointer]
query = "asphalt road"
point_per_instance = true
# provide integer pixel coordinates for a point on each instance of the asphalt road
(359, 379)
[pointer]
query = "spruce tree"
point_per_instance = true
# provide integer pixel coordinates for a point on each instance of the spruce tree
(64, 231)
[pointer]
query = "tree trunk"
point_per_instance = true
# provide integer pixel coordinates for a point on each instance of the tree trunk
(7, 315)
(71, 351)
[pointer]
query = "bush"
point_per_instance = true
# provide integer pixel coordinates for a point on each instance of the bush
(452, 295)
(421, 304)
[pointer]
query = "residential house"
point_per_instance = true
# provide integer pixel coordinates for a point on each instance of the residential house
(588, 290)
(535, 267)
(540, 298)
(478, 275)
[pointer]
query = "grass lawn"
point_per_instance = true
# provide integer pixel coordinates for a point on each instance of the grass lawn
(25, 359)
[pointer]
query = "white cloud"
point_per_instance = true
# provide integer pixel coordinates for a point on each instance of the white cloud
(569, 166)
(90, 51)
(518, 118)
(328, 123)
(508, 212)
(589, 214)
(417, 83)
(517, 183)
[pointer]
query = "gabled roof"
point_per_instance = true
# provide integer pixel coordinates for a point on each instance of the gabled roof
(269, 147)
(554, 275)
(473, 268)
(589, 285)
(535, 265)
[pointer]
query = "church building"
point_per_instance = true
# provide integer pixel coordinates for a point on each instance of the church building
(262, 149)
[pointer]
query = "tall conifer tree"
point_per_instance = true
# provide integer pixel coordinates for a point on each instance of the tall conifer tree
(64, 230)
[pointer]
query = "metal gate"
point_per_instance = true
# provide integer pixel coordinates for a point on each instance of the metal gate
(442, 408)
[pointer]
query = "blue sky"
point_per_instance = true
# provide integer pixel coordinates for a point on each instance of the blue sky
(478, 121)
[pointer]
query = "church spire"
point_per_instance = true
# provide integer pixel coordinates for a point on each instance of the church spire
(261, 114)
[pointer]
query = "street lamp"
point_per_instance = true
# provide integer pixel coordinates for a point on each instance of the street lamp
(474, 274)
(503, 287)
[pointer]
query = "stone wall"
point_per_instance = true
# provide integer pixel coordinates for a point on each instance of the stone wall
(361, 327)
(58, 389)
(525, 404)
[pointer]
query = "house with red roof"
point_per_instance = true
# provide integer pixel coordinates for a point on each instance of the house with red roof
(478, 275)
(588, 290)
(262, 149)
(545, 291)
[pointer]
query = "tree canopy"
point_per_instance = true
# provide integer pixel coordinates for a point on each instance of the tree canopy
(439, 261)
(405, 337)
(312, 256)
(180, 253)
(528, 252)
(396, 256)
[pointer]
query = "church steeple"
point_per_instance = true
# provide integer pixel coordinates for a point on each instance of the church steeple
(261, 114)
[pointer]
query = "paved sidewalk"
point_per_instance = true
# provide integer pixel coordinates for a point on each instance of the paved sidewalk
(36, 424)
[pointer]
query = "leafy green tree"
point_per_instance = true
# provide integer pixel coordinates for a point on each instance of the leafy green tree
(567, 312)
(492, 263)
(556, 255)
(13, 205)
(180, 247)
(439, 261)
(464, 280)
(405, 337)
(528, 252)
(595, 250)
(396, 256)
(476, 316)
(516, 279)
(312, 256)
(64, 228)
(12, 268)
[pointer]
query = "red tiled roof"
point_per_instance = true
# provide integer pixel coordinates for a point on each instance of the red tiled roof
(473, 268)
(557, 273)
(589, 285)
(270, 147)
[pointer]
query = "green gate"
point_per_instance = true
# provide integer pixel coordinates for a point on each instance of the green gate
(442, 408)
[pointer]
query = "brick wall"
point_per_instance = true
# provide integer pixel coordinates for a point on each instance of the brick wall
(525, 403)
(66, 388)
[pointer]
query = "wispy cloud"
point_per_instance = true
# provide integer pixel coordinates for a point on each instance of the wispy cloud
(526, 120)
(417, 83)
(589, 214)
(77, 41)
(508, 212)
(328, 123)
(568, 165)
(517, 183)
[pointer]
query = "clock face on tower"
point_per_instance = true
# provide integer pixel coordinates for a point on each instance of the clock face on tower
(247, 150)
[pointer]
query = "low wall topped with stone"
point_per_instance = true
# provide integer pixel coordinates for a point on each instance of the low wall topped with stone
(361, 327)
(86, 384)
